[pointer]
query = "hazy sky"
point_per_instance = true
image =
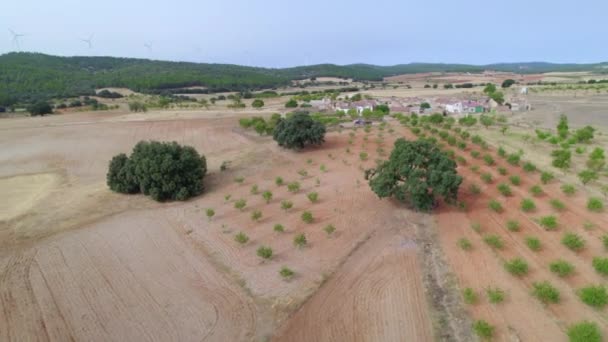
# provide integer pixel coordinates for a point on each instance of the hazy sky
(278, 33)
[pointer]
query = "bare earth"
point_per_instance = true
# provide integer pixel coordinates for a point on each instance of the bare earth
(78, 262)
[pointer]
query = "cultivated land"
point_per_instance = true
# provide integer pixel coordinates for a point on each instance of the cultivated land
(80, 262)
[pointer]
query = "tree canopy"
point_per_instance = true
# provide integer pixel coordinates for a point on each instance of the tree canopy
(507, 83)
(161, 170)
(416, 173)
(299, 130)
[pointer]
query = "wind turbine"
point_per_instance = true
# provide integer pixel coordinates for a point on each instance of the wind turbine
(16, 37)
(89, 41)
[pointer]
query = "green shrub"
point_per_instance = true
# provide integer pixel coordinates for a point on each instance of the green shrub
(495, 206)
(595, 204)
(557, 204)
(286, 272)
(476, 227)
(483, 329)
(529, 167)
(505, 189)
(501, 152)
(254, 189)
(545, 292)
(469, 296)
(240, 204)
(278, 228)
(568, 189)
(475, 168)
(329, 229)
(210, 213)
(241, 238)
(264, 252)
(548, 222)
(465, 244)
(279, 181)
(573, 241)
(517, 267)
(601, 265)
(475, 154)
(495, 295)
(536, 190)
(595, 296)
(515, 180)
(488, 160)
(363, 156)
(300, 240)
(286, 205)
(584, 332)
(494, 241)
(256, 215)
(239, 179)
(313, 197)
(546, 177)
(474, 189)
(293, 187)
(460, 160)
(513, 225)
(486, 177)
(502, 170)
(533, 243)
(164, 171)
(307, 217)
(513, 159)
(562, 268)
(527, 205)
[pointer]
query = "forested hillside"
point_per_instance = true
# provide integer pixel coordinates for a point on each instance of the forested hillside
(26, 77)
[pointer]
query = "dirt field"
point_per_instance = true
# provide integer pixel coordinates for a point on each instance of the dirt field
(521, 317)
(79, 262)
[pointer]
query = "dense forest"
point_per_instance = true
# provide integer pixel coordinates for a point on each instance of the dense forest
(27, 77)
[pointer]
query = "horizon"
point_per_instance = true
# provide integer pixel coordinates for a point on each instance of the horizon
(310, 65)
(275, 34)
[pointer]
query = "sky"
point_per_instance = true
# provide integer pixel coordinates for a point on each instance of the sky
(283, 33)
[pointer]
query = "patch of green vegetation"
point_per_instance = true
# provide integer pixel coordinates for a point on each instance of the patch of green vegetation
(486, 177)
(584, 332)
(513, 225)
(495, 206)
(557, 204)
(548, 222)
(495, 295)
(505, 189)
(469, 296)
(527, 205)
(573, 241)
(533, 243)
(545, 292)
(595, 204)
(483, 329)
(517, 267)
(515, 180)
(568, 189)
(536, 190)
(562, 268)
(465, 244)
(286, 272)
(600, 265)
(595, 296)
(502, 170)
(494, 241)
(307, 217)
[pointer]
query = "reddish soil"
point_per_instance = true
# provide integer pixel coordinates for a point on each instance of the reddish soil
(521, 316)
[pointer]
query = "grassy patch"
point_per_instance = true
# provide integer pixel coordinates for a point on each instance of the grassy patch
(483, 329)
(495, 206)
(527, 205)
(505, 189)
(495, 295)
(513, 225)
(595, 204)
(600, 265)
(286, 272)
(515, 180)
(595, 296)
(548, 222)
(494, 241)
(562, 268)
(545, 292)
(533, 243)
(557, 204)
(568, 189)
(584, 332)
(517, 267)
(486, 177)
(474, 189)
(573, 241)
(469, 296)
(536, 190)
(502, 170)
(465, 244)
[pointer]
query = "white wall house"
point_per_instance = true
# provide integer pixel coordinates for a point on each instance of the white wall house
(455, 107)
